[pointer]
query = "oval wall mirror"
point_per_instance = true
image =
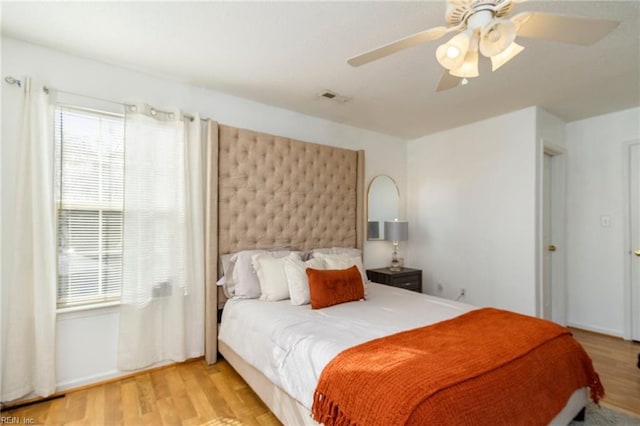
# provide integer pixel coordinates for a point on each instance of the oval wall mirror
(383, 200)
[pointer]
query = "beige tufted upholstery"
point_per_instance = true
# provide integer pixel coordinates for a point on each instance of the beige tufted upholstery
(276, 192)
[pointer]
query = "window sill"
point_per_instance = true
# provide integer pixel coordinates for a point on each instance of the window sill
(89, 310)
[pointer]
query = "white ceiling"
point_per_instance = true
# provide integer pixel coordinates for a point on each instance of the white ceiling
(284, 53)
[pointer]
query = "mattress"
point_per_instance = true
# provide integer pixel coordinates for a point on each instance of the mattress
(291, 345)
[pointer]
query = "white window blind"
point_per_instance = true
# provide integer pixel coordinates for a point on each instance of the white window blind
(89, 198)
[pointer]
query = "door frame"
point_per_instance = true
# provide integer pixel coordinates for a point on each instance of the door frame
(626, 212)
(558, 196)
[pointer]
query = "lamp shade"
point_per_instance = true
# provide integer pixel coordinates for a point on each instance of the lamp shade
(396, 231)
(373, 230)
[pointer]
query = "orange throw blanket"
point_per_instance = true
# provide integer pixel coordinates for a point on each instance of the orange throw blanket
(486, 367)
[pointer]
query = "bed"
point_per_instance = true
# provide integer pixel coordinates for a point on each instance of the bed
(281, 349)
(280, 194)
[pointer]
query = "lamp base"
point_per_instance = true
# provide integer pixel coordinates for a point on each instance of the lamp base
(395, 263)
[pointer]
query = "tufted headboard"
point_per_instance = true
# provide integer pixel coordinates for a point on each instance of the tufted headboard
(276, 192)
(269, 192)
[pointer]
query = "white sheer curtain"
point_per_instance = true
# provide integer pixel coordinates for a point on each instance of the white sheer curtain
(162, 305)
(29, 256)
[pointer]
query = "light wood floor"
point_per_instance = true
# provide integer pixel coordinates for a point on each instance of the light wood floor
(615, 361)
(194, 393)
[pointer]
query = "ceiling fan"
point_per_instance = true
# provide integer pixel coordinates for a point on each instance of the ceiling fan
(483, 28)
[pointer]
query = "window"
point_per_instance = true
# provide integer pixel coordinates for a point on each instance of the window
(89, 199)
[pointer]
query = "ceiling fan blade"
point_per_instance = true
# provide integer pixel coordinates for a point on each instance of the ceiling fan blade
(562, 28)
(448, 81)
(398, 45)
(505, 4)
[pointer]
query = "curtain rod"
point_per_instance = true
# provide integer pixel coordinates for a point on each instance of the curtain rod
(17, 82)
(13, 81)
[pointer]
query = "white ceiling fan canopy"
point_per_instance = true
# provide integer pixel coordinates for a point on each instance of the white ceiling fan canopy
(459, 11)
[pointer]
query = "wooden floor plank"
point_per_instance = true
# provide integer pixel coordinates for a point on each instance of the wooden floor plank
(76, 407)
(160, 385)
(113, 403)
(225, 387)
(214, 398)
(95, 411)
(168, 412)
(56, 412)
(146, 394)
(181, 401)
(130, 406)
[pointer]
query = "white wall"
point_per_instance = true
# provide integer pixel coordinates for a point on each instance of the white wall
(595, 188)
(474, 193)
(86, 342)
(551, 130)
(472, 211)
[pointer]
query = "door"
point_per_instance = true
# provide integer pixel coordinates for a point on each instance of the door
(548, 247)
(552, 260)
(634, 238)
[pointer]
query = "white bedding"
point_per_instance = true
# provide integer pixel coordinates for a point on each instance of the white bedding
(291, 344)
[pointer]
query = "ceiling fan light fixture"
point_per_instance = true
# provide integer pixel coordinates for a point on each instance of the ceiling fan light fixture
(496, 37)
(452, 54)
(469, 67)
(508, 54)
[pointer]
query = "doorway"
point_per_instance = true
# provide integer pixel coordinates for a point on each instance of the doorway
(548, 248)
(634, 236)
(552, 290)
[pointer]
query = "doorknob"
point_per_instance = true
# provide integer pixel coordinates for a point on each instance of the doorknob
(553, 248)
(637, 252)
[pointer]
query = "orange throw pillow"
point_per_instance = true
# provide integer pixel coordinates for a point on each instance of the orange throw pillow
(333, 286)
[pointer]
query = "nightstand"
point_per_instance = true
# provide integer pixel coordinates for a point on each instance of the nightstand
(407, 278)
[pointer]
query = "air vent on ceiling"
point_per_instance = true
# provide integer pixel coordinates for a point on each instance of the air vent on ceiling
(334, 96)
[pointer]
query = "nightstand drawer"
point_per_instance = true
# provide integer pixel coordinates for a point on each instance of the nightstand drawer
(403, 279)
(406, 278)
(413, 286)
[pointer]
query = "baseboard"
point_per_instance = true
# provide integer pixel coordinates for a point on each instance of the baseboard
(94, 380)
(599, 330)
(109, 376)
(101, 379)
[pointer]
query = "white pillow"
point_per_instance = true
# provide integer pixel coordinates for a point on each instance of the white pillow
(350, 251)
(227, 282)
(241, 280)
(296, 271)
(343, 261)
(271, 275)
